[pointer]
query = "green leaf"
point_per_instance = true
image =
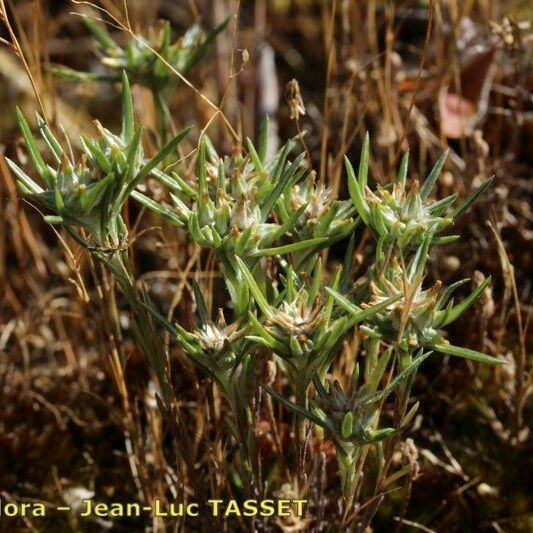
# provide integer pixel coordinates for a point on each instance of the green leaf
(194, 229)
(355, 192)
(254, 288)
(402, 172)
(94, 193)
(202, 169)
(347, 424)
(379, 370)
(133, 149)
(410, 414)
(280, 184)
(157, 208)
(362, 175)
(49, 138)
(221, 176)
(165, 39)
(443, 300)
(326, 220)
(348, 261)
(200, 51)
(316, 282)
(243, 240)
(33, 150)
(128, 121)
(269, 339)
(24, 179)
(433, 176)
(285, 227)
(330, 300)
(167, 149)
(258, 164)
(357, 313)
(53, 219)
(402, 376)
(94, 151)
(447, 239)
(200, 303)
(76, 75)
(295, 408)
(440, 207)
(289, 248)
(59, 201)
(398, 475)
(100, 34)
(459, 309)
(175, 183)
(416, 268)
(466, 353)
(471, 198)
(376, 435)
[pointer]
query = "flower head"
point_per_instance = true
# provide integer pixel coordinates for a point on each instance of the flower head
(404, 214)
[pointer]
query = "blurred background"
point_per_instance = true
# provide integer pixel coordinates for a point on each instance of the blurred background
(418, 75)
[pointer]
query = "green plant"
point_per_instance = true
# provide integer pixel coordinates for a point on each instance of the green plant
(246, 208)
(86, 198)
(300, 324)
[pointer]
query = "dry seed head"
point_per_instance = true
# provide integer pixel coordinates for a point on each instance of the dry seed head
(99, 128)
(296, 318)
(269, 371)
(486, 302)
(410, 457)
(217, 337)
(295, 101)
(221, 319)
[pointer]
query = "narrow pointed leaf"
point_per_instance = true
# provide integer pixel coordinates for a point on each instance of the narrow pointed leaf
(459, 309)
(255, 156)
(295, 408)
(30, 185)
(362, 175)
(263, 139)
(402, 172)
(280, 185)
(401, 377)
(272, 342)
(33, 149)
(285, 228)
(94, 193)
(156, 208)
(433, 176)
(356, 194)
(357, 313)
(175, 183)
(128, 125)
(100, 34)
(466, 353)
(472, 198)
(254, 288)
(49, 138)
(133, 149)
(166, 150)
(289, 248)
(440, 206)
(200, 303)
